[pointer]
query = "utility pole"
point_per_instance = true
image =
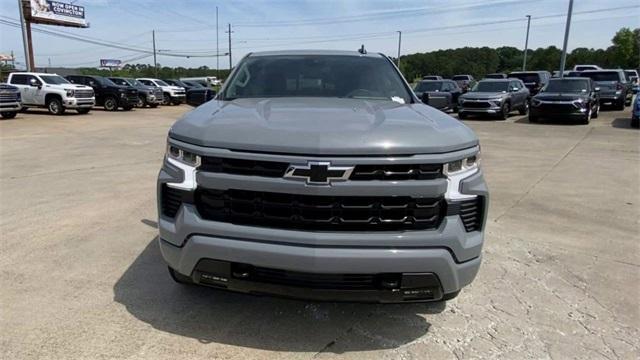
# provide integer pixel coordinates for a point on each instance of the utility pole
(26, 38)
(155, 62)
(399, 42)
(526, 45)
(217, 48)
(566, 39)
(229, 32)
(13, 60)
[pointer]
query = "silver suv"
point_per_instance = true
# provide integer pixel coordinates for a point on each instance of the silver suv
(320, 175)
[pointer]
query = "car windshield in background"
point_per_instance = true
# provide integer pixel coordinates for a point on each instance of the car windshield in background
(429, 86)
(104, 81)
(567, 86)
(526, 78)
(460, 77)
(120, 82)
(491, 86)
(54, 79)
(133, 82)
(602, 75)
(161, 83)
(317, 76)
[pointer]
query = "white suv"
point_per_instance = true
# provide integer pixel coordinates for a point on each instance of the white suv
(53, 92)
(175, 95)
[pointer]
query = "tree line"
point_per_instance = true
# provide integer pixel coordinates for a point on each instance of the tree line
(163, 72)
(623, 53)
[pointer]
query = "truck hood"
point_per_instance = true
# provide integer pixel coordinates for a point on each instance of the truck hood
(323, 126)
(483, 95)
(68, 87)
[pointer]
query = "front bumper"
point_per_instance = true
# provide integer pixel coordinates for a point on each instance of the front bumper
(153, 99)
(611, 98)
(450, 253)
(179, 97)
(10, 106)
(79, 103)
(567, 111)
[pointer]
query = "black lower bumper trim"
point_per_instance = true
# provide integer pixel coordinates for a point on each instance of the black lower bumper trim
(369, 288)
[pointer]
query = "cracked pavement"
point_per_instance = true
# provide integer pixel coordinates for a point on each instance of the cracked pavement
(82, 277)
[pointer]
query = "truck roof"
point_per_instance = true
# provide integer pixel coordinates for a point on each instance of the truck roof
(31, 73)
(313, 52)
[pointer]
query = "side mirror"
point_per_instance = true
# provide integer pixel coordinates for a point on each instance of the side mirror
(514, 89)
(425, 97)
(34, 82)
(596, 89)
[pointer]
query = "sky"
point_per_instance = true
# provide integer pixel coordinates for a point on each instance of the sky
(188, 27)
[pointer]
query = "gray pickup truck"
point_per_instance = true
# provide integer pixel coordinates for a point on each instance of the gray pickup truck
(320, 175)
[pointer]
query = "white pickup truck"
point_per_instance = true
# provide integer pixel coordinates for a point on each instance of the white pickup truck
(175, 95)
(53, 92)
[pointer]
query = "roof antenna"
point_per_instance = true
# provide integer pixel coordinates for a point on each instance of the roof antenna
(362, 50)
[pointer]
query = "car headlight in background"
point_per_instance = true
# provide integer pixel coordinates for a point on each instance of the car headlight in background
(70, 93)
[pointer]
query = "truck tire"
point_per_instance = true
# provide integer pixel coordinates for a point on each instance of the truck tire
(597, 112)
(110, 103)
(179, 278)
(153, 106)
(166, 99)
(9, 114)
(505, 109)
(83, 111)
(54, 105)
(587, 118)
(142, 101)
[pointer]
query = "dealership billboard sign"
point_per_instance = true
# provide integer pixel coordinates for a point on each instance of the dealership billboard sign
(110, 63)
(56, 13)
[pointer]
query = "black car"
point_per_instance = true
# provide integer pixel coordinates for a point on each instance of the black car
(496, 76)
(108, 94)
(440, 94)
(465, 82)
(574, 98)
(533, 80)
(495, 97)
(197, 93)
(614, 88)
(147, 95)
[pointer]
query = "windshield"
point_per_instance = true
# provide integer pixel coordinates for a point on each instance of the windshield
(161, 83)
(317, 76)
(117, 81)
(194, 84)
(54, 79)
(526, 77)
(104, 81)
(460, 77)
(133, 82)
(429, 86)
(602, 76)
(567, 86)
(491, 86)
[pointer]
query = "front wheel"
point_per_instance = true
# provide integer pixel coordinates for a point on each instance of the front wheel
(110, 104)
(176, 103)
(524, 110)
(505, 109)
(153, 106)
(142, 101)
(596, 112)
(167, 99)
(9, 114)
(54, 105)
(587, 118)
(83, 111)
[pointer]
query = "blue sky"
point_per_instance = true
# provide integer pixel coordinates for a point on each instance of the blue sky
(189, 26)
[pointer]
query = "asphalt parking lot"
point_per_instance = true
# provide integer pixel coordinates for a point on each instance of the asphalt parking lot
(82, 276)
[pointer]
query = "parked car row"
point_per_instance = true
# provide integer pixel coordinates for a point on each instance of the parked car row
(578, 95)
(82, 92)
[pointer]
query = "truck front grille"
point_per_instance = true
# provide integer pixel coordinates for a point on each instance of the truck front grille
(311, 280)
(277, 169)
(83, 94)
(312, 212)
(10, 97)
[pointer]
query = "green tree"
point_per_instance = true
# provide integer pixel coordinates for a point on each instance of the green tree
(624, 45)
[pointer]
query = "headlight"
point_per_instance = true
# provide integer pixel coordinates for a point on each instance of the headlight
(462, 166)
(183, 156)
(70, 93)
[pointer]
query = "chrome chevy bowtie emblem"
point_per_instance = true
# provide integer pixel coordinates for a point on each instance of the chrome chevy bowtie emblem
(318, 173)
